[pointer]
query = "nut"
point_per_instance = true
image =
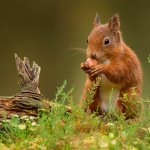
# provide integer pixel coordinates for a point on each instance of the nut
(91, 62)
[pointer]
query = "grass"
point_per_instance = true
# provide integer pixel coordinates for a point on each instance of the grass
(58, 129)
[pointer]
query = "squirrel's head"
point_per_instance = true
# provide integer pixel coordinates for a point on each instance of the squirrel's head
(105, 39)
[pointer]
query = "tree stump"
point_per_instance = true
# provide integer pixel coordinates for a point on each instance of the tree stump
(29, 100)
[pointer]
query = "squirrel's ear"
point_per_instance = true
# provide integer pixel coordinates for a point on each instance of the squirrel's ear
(114, 23)
(96, 20)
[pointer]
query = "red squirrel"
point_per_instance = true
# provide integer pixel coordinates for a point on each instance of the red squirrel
(118, 66)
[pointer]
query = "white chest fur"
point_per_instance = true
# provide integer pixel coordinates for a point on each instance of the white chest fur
(109, 93)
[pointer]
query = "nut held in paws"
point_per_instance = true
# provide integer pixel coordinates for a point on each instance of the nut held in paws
(91, 62)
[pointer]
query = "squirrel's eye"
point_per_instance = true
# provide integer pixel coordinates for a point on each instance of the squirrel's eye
(87, 41)
(106, 41)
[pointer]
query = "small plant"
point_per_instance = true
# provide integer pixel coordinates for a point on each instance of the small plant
(148, 58)
(91, 91)
(15, 130)
(61, 96)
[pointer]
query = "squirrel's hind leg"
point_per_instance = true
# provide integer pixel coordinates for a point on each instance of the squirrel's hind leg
(129, 103)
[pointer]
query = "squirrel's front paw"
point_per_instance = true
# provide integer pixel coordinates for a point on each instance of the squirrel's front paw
(85, 67)
(95, 71)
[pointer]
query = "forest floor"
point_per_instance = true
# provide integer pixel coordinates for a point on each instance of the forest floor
(57, 129)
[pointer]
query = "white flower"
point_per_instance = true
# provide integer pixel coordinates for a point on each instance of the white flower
(21, 126)
(33, 123)
(113, 142)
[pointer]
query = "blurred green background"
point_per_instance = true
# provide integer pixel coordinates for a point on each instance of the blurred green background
(47, 30)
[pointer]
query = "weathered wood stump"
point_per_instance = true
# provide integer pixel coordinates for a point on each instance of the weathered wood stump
(29, 100)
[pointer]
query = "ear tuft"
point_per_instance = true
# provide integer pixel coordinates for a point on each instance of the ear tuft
(114, 23)
(97, 20)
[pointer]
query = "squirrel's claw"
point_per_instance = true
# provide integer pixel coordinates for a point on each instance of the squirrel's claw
(95, 71)
(84, 66)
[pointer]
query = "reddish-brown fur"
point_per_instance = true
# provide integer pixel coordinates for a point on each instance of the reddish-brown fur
(116, 61)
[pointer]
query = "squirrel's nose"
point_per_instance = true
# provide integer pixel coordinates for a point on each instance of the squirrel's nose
(93, 56)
